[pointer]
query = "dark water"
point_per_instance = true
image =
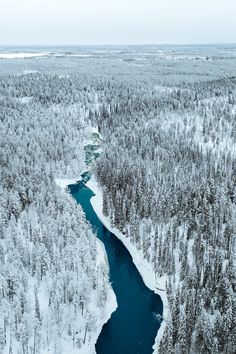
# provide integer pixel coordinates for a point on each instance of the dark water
(133, 326)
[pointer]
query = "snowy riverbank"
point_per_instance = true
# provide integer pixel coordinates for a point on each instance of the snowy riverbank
(144, 268)
(101, 316)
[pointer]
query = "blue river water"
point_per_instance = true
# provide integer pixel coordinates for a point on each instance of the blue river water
(133, 327)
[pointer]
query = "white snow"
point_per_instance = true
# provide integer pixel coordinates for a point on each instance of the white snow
(144, 268)
(25, 72)
(25, 100)
(81, 55)
(64, 182)
(22, 55)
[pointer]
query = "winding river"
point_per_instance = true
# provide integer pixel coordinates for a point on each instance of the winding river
(133, 327)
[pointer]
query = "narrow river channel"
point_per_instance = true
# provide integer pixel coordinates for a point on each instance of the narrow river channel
(133, 327)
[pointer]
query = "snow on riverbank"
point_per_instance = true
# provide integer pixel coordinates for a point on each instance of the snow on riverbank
(101, 316)
(64, 182)
(144, 268)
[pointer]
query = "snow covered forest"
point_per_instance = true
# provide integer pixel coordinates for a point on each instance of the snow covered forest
(53, 283)
(168, 175)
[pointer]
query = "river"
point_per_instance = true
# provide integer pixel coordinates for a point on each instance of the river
(133, 327)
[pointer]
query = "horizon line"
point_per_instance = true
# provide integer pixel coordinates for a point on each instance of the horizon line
(117, 44)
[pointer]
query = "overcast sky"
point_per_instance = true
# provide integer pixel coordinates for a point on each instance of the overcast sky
(116, 21)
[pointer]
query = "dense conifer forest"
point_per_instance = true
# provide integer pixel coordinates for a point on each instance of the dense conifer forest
(49, 266)
(168, 175)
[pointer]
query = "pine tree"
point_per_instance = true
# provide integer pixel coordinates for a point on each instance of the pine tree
(37, 308)
(2, 338)
(182, 344)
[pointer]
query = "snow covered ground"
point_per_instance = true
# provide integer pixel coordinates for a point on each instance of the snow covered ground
(144, 268)
(23, 55)
(64, 182)
(29, 55)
